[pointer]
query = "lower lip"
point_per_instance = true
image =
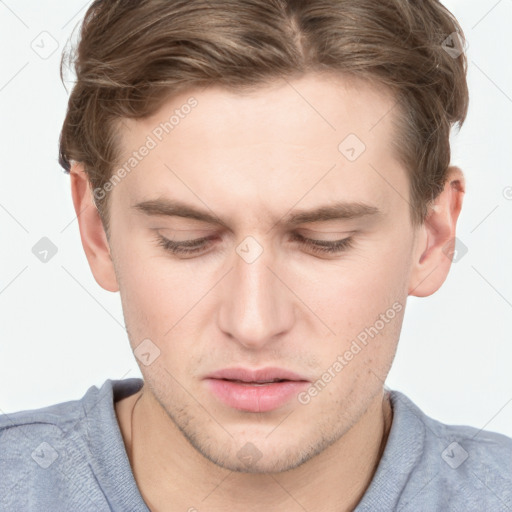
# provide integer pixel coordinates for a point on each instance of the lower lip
(255, 398)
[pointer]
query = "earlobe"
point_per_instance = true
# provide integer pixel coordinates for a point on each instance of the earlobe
(434, 245)
(92, 232)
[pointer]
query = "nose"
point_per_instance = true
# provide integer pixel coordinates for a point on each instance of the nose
(256, 306)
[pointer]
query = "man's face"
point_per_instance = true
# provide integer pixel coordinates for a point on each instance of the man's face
(253, 296)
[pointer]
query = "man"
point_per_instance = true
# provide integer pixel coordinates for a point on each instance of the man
(265, 183)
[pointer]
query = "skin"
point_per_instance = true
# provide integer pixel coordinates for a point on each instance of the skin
(250, 160)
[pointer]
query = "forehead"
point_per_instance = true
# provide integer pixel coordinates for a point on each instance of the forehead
(315, 106)
(320, 135)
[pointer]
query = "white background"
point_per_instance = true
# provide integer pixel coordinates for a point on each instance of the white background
(60, 333)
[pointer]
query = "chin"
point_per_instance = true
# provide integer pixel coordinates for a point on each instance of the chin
(261, 455)
(258, 463)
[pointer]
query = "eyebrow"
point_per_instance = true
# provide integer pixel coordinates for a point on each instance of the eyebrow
(336, 211)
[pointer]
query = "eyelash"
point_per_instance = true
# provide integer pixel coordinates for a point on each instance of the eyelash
(190, 247)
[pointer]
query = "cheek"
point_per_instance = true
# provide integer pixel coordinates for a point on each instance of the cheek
(156, 295)
(360, 300)
(153, 290)
(166, 301)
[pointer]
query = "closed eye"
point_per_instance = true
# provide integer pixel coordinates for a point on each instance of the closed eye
(200, 245)
(324, 246)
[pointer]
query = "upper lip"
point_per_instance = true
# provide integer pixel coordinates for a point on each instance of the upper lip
(261, 375)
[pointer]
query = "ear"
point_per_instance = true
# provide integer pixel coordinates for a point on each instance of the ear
(92, 233)
(436, 238)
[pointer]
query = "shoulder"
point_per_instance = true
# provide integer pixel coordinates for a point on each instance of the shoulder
(46, 454)
(464, 443)
(22, 427)
(28, 429)
(65, 417)
(458, 464)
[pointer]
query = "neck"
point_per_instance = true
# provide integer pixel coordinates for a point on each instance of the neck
(335, 479)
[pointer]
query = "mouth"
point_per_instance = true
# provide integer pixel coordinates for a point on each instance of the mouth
(260, 390)
(260, 376)
(257, 383)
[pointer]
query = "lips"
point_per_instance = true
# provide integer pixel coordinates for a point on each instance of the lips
(255, 390)
(264, 375)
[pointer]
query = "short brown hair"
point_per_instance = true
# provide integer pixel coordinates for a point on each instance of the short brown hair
(133, 55)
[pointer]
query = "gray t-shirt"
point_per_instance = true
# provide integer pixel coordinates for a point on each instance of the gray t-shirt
(71, 457)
